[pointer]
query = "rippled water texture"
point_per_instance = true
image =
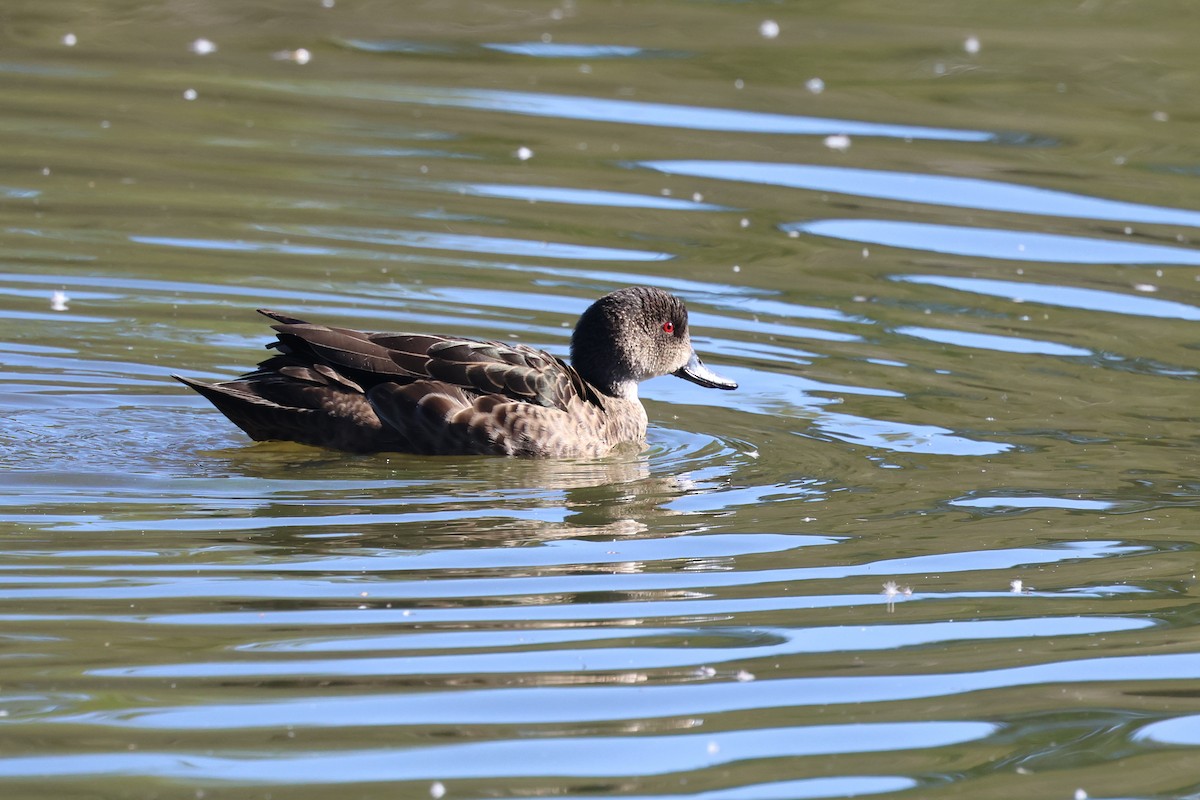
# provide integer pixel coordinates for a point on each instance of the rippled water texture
(940, 544)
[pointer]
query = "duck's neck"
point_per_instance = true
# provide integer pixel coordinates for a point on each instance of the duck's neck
(626, 390)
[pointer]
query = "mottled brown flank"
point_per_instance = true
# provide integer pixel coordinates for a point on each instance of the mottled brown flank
(428, 394)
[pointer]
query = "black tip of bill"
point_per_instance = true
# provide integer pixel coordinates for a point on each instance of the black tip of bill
(697, 373)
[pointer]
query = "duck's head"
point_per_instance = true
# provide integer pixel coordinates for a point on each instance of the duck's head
(634, 334)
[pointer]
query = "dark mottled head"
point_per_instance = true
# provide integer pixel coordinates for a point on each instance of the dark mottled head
(634, 334)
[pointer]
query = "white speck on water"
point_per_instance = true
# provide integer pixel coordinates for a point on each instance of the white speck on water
(971, 45)
(437, 790)
(524, 153)
(815, 85)
(189, 94)
(297, 56)
(769, 29)
(70, 39)
(59, 300)
(713, 748)
(890, 590)
(838, 141)
(203, 47)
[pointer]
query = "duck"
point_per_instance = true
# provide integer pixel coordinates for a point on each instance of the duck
(431, 394)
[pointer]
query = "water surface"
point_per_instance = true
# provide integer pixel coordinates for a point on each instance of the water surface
(940, 543)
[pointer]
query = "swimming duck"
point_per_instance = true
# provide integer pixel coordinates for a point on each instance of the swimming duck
(447, 395)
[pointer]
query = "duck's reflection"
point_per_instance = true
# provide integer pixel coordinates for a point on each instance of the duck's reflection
(317, 498)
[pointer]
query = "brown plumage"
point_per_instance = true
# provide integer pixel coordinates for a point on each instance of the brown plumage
(443, 395)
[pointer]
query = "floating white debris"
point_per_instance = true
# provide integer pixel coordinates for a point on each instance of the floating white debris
(769, 29)
(524, 153)
(890, 591)
(59, 300)
(70, 39)
(437, 790)
(203, 47)
(713, 748)
(190, 94)
(815, 85)
(838, 141)
(971, 45)
(297, 56)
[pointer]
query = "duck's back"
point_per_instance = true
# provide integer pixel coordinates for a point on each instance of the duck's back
(419, 393)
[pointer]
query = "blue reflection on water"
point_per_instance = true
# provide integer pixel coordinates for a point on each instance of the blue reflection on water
(629, 112)
(542, 756)
(986, 341)
(1078, 504)
(1067, 296)
(995, 243)
(572, 196)
(564, 50)
(913, 187)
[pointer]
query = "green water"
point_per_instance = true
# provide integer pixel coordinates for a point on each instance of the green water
(940, 543)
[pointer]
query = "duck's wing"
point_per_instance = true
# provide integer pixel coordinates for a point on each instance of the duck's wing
(516, 372)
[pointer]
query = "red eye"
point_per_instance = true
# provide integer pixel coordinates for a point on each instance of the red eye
(668, 327)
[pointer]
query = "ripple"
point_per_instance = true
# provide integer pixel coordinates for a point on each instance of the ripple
(1031, 502)
(996, 243)
(1066, 296)
(987, 341)
(566, 50)
(768, 643)
(582, 197)
(538, 757)
(945, 190)
(468, 243)
(625, 112)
